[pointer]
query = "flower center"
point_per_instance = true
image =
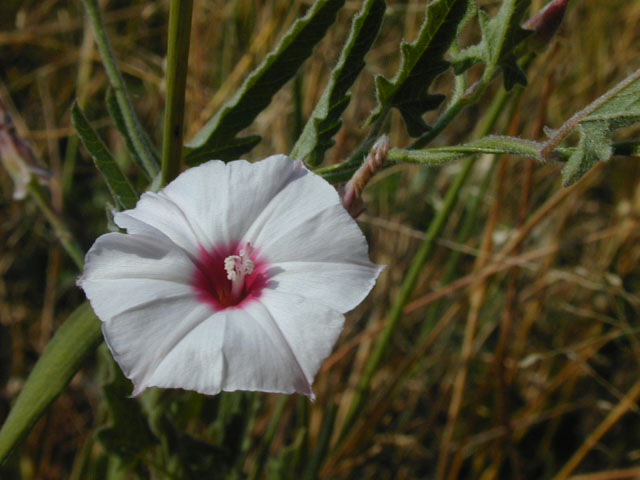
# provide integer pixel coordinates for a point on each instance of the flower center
(228, 276)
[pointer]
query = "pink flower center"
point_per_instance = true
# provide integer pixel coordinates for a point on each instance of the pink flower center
(229, 276)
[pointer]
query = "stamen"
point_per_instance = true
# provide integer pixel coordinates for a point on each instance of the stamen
(237, 267)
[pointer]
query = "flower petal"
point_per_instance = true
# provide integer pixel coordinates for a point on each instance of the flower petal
(340, 286)
(142, 338)
(234, 349)
(220, 200)
(258, 356)
(155, 214)
(306, 221)
(309, 328)
(123, 271)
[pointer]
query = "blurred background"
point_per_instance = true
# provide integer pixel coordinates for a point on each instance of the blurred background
(552, 358)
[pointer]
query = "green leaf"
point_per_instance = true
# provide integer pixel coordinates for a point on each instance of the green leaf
(135, 131)
(257, 90)
(316, 138)
(422, 61)
(224, 151)
(78, 336)
(618, 108)
(500, 36)
(493, 144)
(119, 186)
(116, 115)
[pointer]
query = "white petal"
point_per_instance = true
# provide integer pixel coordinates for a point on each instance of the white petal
(310, 329)
(154, 215)
(306, 221)
(123, 271)
(237, 349)
(340, 286)
(258, 356)
(143, 337)
(222, 200)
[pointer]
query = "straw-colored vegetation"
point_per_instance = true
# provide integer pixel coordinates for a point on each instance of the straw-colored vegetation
(522, 360)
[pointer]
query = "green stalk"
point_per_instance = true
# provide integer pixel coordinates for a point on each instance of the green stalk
(66, 238)
(177, 60)
(269, 434)
(406, 289)
(117, 82)
(411, 278)
(322, 444)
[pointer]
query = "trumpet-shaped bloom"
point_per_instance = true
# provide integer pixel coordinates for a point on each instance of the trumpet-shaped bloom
(234, 276)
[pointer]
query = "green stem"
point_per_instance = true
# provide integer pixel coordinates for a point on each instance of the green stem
(406, 289)
(177, 60)
(269, 434)
(471, 214)
(411, 278)
(65, 236)
(322, 444)
(117, 82)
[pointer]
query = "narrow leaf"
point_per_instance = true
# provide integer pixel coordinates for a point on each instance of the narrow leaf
(422, 61)
(316, 138)
(74, 340)
(257, 90)
(133, 127)
(119, 186)
(118, 119)
(493, 144)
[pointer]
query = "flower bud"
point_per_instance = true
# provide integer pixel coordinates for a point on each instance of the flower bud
(546, 22)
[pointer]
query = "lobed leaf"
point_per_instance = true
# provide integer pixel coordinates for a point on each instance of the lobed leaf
(316, 137)
(500, 36)
(422, 61)
(618, 108)
(118, 184)
(218, 136)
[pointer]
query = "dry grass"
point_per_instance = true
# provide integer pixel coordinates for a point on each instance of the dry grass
(530, 361)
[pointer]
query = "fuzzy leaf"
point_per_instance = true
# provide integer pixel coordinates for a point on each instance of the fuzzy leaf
(618, 108)
(259, 87)
(494, 144)
(316, 138)
(119, 186)
(500, 36)
(422, 61)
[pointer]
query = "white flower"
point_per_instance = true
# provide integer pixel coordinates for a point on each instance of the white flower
(233, 277)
